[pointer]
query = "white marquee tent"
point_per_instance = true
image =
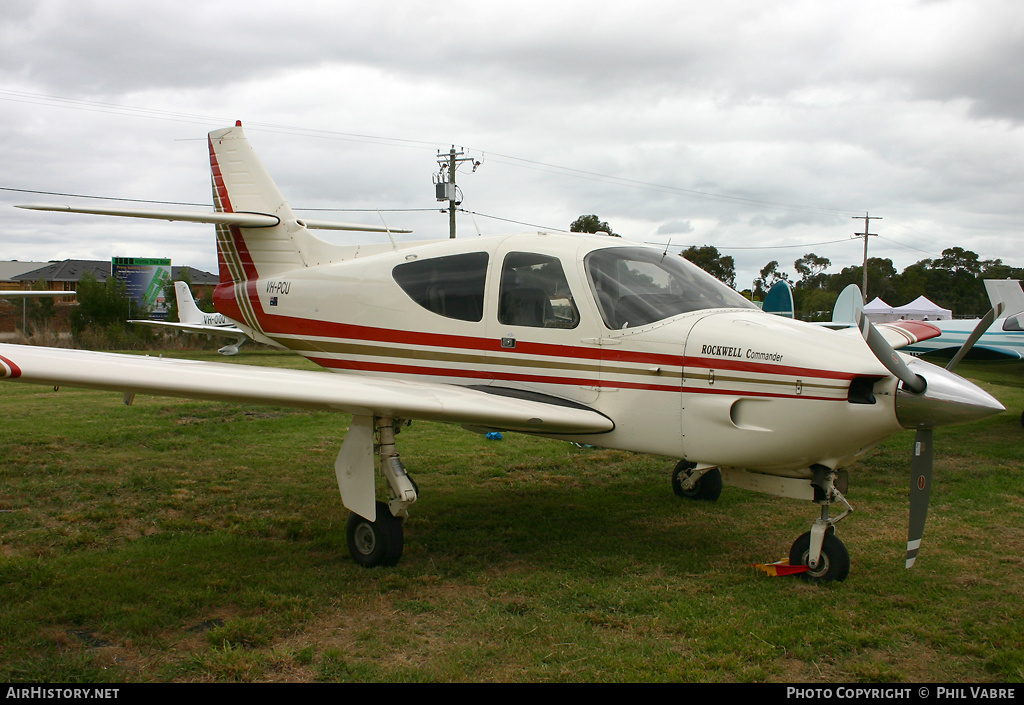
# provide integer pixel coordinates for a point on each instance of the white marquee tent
(921, 309)
(878, 311)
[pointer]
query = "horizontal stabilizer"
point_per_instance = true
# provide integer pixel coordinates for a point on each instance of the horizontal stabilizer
(243, 220)
(334, 225)
(28, 293)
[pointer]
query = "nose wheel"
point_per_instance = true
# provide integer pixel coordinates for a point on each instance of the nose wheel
(819, 549)
(833, 558)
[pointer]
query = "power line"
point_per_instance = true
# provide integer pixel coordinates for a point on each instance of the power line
(102, 198)
(95, 106)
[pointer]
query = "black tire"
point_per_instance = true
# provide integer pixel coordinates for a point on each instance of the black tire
(708, 487)
(375, 543)
(833, 565)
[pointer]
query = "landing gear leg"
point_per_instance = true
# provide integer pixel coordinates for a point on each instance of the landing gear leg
(377, 538)
(819, 549)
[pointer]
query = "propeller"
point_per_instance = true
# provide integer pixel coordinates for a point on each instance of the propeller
(922, 461)
(994, 313)
(887, 355)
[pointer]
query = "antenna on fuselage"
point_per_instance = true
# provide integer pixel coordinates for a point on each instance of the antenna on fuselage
(394, 245)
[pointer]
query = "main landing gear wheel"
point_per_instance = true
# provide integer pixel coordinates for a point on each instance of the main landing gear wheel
(708, 486)
(376, 543)
(834, 563)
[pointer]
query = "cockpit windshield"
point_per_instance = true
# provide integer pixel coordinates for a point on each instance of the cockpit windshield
(635, 286)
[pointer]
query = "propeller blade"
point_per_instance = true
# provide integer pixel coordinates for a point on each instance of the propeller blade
(920, 491)
(978, 331)
(887, 355)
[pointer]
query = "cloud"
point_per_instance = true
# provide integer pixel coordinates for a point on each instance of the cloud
(766, 124)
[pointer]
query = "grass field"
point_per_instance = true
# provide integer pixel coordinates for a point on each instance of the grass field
(186, 541)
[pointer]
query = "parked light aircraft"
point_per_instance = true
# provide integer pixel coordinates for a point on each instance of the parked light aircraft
(585, 338)
(191, 319)
(1003, 341)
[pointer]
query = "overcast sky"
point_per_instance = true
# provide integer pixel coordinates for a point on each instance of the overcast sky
(743, 125)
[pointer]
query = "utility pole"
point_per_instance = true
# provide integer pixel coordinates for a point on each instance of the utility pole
(866, 234)
(444, 182)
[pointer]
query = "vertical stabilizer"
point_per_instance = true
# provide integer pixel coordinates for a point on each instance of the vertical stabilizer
(188, 312)
(779, 300)
(1006, 292)
(242, 185)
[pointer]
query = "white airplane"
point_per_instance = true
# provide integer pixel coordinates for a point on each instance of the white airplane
(191, 319)
(1003, 341)
(584, 338)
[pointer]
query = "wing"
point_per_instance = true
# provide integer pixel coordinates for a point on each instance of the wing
(218, 381)
(899, 334)
(227, 331)
(980, 352)
(989, 352)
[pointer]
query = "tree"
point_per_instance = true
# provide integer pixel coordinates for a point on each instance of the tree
(708, 258)
(766, 279)
(952, 281)
(882, 279)
(811, 269)
(590, 224)
(104, 309)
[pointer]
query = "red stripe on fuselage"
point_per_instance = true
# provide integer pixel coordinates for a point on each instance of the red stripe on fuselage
(765, 368)
(481, 374)
(392, 369)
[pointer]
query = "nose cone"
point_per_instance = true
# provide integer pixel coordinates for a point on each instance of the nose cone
(947, 399)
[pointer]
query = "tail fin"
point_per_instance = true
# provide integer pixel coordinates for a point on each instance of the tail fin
(188, 312)
(850, 301)
(779, 300)
(241, 184)
(1007, 292)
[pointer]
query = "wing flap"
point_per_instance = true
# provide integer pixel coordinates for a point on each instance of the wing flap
(218, 381)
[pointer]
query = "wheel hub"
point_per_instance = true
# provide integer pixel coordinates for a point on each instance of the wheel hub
(365, 540)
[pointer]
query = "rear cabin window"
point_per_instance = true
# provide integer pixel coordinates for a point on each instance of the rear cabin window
(451, 286)
(535, 293)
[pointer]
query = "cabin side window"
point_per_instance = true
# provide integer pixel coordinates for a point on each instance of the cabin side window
(535, 293)
(451, 286)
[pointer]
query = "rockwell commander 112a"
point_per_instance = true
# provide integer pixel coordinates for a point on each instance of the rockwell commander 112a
(585, 338)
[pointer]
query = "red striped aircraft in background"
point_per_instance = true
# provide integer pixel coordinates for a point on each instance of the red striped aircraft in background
(586, 338)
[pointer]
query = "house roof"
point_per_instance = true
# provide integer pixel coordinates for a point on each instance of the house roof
(9, 270)
(71, 270)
